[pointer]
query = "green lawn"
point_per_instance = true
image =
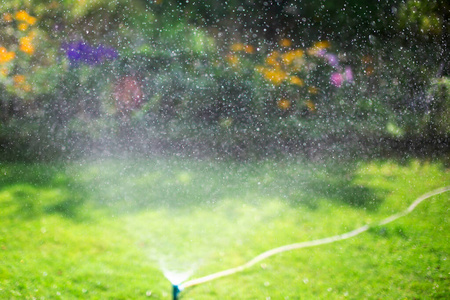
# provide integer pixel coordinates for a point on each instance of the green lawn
(110, 229)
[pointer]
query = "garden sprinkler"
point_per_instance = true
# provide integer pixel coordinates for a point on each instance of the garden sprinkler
(176, 289)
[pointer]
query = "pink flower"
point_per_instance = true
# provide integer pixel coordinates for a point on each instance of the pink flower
(348, 74)
(128, 94)
(337, 79)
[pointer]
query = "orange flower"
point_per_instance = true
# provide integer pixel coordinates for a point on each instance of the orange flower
(288, 57)
(318, 47)
(367, 59)
(285, 43)
(21, 15)
(26, 45)
(299, 53)
(275, 76)
(31, 20)
(322, 45)
(23, 26)
(233, 60)
(7, 17)
(283, 104)
(6, 56)
(25, 17)
(19, 80)
(20, 83)
(297, 81)
(249, 49)
(272, 58)
(369, 70)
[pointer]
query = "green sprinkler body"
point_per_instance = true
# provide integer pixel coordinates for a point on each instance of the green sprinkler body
(175, 291)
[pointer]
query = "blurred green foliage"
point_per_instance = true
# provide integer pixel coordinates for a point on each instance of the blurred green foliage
(235, 77)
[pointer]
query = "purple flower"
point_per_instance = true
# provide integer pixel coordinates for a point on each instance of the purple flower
(348, 74)
(337, 79)
(82, 52)
(320, 52)
(332, 59)
(106, 52)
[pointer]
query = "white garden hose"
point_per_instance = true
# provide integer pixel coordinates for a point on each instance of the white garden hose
(307, 244)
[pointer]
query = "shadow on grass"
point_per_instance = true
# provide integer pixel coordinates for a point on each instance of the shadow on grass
(129, 187)
(29, 191)
(346, 192)
(337, 183)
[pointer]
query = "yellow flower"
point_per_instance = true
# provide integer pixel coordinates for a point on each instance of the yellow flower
(23, 26)
(322, 45)
(4, 71)
(312, 51)
(285, 43)
(272, 59)
(276, 77)
(31, 20)
(318, 47)
(313, 90)
(299, 53)
(25, 17)
(233, 60)
(237, 47)
(310, 105)
(6, 56)
(297, 81)
(283, 104)
(26, 45)
(288, 57)
(7, 17)
(21, 15)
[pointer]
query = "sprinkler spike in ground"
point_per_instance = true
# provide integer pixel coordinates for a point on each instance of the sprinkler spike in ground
(176, 291)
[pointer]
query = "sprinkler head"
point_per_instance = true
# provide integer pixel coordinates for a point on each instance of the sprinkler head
(175, 291)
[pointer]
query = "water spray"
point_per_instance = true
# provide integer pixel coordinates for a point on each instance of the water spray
(177, 288)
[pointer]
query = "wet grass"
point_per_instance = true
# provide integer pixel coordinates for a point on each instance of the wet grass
(108, 229)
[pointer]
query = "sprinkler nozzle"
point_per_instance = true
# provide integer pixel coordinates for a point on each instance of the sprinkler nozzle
(175, 291)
